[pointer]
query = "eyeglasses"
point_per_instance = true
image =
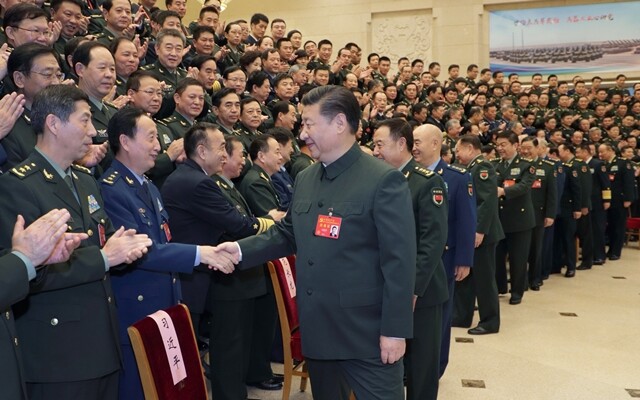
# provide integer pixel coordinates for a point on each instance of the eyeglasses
(50, 75)
(151, 92)
(36, 32)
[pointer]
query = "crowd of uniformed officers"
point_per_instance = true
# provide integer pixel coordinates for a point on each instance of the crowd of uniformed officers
(162, 140)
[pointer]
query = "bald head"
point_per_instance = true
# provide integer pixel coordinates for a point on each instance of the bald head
(427, 142)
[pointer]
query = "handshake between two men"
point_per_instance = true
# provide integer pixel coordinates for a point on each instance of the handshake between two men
(223, 257)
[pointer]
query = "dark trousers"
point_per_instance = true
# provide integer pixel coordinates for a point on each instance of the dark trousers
(564, 245)
(480, 284)
(535, 255)
(547, 251)
(516, 245)
(369, 379)
(422, 361)
(264, 330)
(447, 309)
(585, 234)
(598, 224)
(230, 346)
(616, 225)
(103, 388)
(129, 384)
(195, 292)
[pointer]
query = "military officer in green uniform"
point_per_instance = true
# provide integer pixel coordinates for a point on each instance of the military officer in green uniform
(393, 141)
(169, 46)
(31, 57)
(43, 242)
(189, 101)
(515, 177)
(355, 286)
(544, 197)
(481, 282)
(145, 93)
(75, 354)
(301, 160)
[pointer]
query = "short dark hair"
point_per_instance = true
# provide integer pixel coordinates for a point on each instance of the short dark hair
(247, 100)
(162, 16)
(195, 136)
(277, 20)
(323, 42)
(472, 140)
(232, 69)
(293, 32)
(107, 4)
(229, 140)
(281, 135)
(399, 128)
(207, 9)
(59, 100)
(248, 58)
(82, 54)
(371, 55)
(55, 4)
(200, 59)
(281, 41)
(280, 107)
(123, 122)
(257, 78)
(384, 58)
(170, 32)
(471, 67)
(185, 83)
(334, 100)
(257, 18)
(531, 139)
(133, 83)
(510, 136)
(416, 61)
(19, 12)
(221, 94)
(452, 66)
(259, 144)
(200, 29)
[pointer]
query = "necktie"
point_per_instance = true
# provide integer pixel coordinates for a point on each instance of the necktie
(69, 181)
(147, 193)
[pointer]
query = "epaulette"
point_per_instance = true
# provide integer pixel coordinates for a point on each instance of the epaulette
(147, 67)
(526, 159)
(99, 35)
(161, 122)
(423, 171)
(458, 169)
(265, 177)
(81, 168)
(579, 159)
(497, 159)
(112, 178)
(169, 120)
(24, 170)
(551, 163)
(109, 104)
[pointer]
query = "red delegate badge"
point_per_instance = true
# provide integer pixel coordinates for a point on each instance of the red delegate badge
(509, 182)
(328, 226)
(167, 232)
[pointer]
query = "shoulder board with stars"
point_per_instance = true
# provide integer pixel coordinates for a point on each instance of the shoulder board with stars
(265, 177)
(81, 168)
(24, 170)
(147, 67)
(112, 178)
(161, 122)
(549, 163)
(526, 159)
(423, 171)
(168, 120)
(222, 184)
(495, 160)
(458, 169)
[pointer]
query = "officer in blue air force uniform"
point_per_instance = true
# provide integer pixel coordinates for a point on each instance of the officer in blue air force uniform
(131, 200)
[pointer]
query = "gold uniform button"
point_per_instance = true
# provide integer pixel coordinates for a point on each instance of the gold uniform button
(109, 299)
(174, 281)
(522, 209)
(15, 341)
(446, 247)
(140, 297)
(102, 221)
(54, 321)
(7, 315)
(90, 232)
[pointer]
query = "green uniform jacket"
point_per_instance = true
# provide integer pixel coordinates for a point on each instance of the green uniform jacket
(485, 184)
(243, 284)
(20, 141)
(299, 162)
(68, 325)
(586, 183)
(258, 191)
(516, 207)
(354, 288)
(544, 191)
(163, 166)
(14, 286)
(430, 210)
